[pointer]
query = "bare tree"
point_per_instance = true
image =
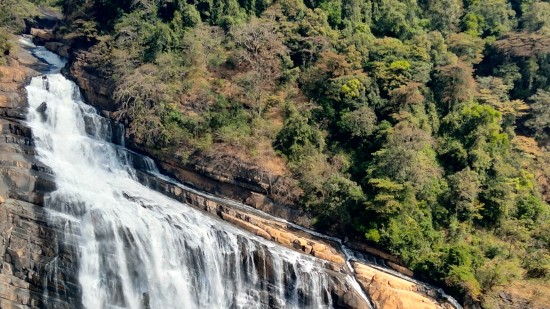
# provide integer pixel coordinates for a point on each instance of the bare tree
(261, 52)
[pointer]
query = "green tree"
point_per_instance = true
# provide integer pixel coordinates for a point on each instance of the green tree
(536, 17)
(298, 136)
(489, 17)
(464, 187)
(468, 48)
(407, 157)
(539, 121)
(444, 15)
(395, 18)
(359, 123)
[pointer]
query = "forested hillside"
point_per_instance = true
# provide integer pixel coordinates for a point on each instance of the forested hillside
(418, 126)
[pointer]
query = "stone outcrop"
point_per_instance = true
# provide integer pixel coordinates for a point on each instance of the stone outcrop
(35, 272)
(227, 175)
(97, 89)
(61, 49)
(388, 291)
(42, 35)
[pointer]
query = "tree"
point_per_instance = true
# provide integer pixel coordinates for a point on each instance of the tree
(297, 136)
(407, 157)
(468, 48)
(359, 123)
(406, 96)
(454, 84)
(497, 200)
(539, 121)
(489, 17)
(13, 13)
(261, 52)
(495, 93)
(444, 15)
(395, 18)
(5, 48)
(464, 187)
(536, 17)
(341, 199)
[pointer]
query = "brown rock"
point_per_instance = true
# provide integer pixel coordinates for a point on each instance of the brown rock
(58, 48)
(388, 291)
(42, 34)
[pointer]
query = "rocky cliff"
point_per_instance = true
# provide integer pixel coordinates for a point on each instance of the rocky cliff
(35, 270)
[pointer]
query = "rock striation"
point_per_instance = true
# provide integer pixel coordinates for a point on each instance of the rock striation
(35, 272)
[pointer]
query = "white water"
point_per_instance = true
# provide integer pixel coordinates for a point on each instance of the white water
(140, 249)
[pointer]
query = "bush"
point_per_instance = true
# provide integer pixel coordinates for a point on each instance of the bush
(5, 47)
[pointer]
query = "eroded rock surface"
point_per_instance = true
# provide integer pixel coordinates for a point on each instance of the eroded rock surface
(35, 271)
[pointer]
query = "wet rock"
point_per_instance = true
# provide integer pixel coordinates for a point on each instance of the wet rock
(32, 267)
(59, 48)
(97, 88)
(42, 35)
(42, 110)
(145, 301)
(46, 83)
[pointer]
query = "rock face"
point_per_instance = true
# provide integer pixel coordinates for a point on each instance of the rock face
(34, 270)
(387, 291)
(42, 35)
(227, 175)
(58, 48)
(97, 89)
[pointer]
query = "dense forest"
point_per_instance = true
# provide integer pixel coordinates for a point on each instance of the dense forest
(418, 126)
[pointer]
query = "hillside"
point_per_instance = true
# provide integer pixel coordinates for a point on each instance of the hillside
(418, 127)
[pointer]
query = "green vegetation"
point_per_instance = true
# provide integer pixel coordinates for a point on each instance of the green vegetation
(12, 21)
(407, 124)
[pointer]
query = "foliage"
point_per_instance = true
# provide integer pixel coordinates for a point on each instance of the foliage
(5, 47)
(540, 120)
(13, 13)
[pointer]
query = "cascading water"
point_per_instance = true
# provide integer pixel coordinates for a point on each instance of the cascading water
(139, 249)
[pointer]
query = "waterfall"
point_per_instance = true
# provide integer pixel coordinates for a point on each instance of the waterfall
(136, 248)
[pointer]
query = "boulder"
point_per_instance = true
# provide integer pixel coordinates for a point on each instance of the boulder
(42, 110)
(391, 292)
(61, 49)
(42, 35)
